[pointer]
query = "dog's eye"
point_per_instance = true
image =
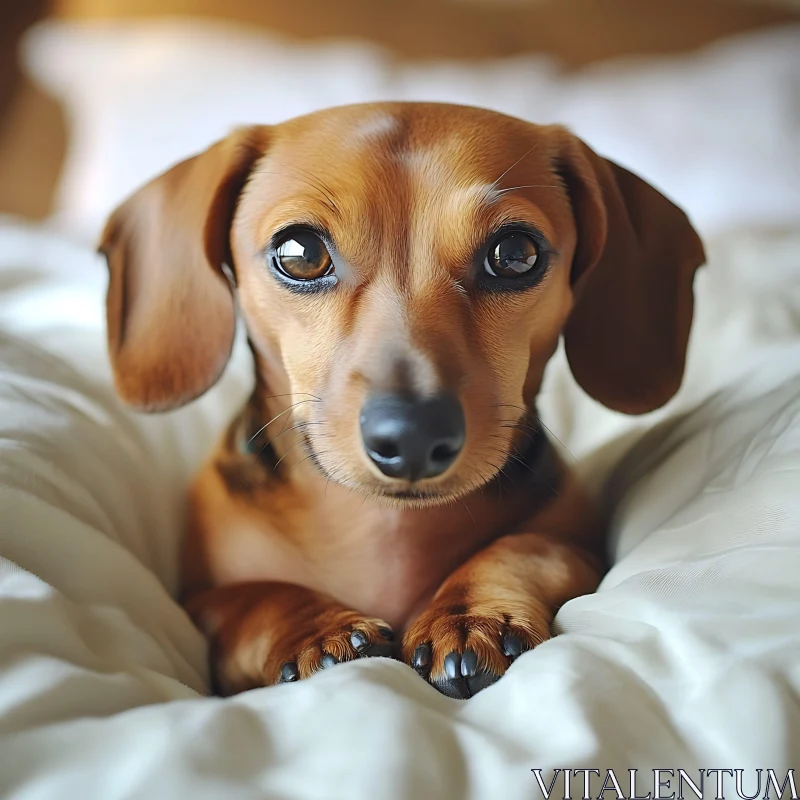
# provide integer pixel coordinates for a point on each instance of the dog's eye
(512, 256)
(303, 257)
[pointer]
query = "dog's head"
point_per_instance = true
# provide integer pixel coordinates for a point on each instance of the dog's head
(410, 267)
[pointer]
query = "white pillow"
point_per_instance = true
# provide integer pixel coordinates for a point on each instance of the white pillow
(717, 131)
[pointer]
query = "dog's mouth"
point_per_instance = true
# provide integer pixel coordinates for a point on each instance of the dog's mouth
(414, 495)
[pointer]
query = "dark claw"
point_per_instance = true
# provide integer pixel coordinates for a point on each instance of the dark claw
(328, 661)
(359, 641)
(463, 678)
(289, 672)
(421, 660)
(513, 646)
(387, 633)
(469, 664)
(452, 665)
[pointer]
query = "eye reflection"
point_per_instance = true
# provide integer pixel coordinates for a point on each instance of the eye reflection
(512, 256)
(303, 256)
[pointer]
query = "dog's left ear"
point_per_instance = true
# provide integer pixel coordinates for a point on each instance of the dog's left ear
(632, 275)
(171, 316)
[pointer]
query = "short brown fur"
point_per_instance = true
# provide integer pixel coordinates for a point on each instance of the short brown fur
(296, 543)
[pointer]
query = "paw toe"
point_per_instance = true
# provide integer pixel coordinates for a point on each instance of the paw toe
(421, 660)
(469, 664)
(289, 672)
(452, 666)
(360, 641)
(462, 677)
(462, 654)
(513, 646)
(328, 660)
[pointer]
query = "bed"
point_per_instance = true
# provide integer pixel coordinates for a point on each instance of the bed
(688, 657)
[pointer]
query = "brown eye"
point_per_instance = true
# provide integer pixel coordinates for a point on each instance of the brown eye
(512, 256)
(303, 257)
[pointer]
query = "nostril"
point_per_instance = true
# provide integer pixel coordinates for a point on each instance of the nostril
(444, 452)
(385, 448)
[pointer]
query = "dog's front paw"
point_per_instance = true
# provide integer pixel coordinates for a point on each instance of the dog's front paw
(343, 636)
(261, 634)
(460, 650)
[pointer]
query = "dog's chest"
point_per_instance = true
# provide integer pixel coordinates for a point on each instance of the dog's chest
(382, 562)
(390, 563)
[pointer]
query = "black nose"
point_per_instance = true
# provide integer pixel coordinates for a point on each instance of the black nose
(413, 438)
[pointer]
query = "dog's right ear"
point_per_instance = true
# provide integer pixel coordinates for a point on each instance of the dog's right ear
(171, 315)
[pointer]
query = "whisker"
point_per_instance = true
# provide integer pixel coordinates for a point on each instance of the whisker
(290, 394)
(285, 411)
(285, 423)
(520, 159)
(528, 186)
(565, 448)
(358, 511)
(551, 489)
(460, 500)
(294, 466)
(529, 434)
(293, 428)
(277, 463)
(511, 405)
(520, 461)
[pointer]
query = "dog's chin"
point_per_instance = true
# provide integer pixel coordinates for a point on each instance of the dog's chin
(403, 497)
(411, 498)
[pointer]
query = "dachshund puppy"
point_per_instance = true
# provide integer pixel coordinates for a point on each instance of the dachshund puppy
(404, 272)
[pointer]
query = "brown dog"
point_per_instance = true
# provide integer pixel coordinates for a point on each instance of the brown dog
(404, 272)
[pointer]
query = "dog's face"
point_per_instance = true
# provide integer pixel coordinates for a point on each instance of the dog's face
(409, 268)
(392, 274)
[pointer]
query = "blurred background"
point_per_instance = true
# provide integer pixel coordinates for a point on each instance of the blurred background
(99, 94)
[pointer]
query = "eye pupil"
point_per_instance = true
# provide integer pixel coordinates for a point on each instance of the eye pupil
(303, 257)
(512, 256)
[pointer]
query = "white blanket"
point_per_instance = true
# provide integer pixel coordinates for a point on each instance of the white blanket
(688, 656)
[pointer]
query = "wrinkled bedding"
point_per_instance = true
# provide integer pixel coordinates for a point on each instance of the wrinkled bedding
(687, 657)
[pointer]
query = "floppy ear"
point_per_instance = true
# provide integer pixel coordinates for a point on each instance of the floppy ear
(632, 276)
(171, 316)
